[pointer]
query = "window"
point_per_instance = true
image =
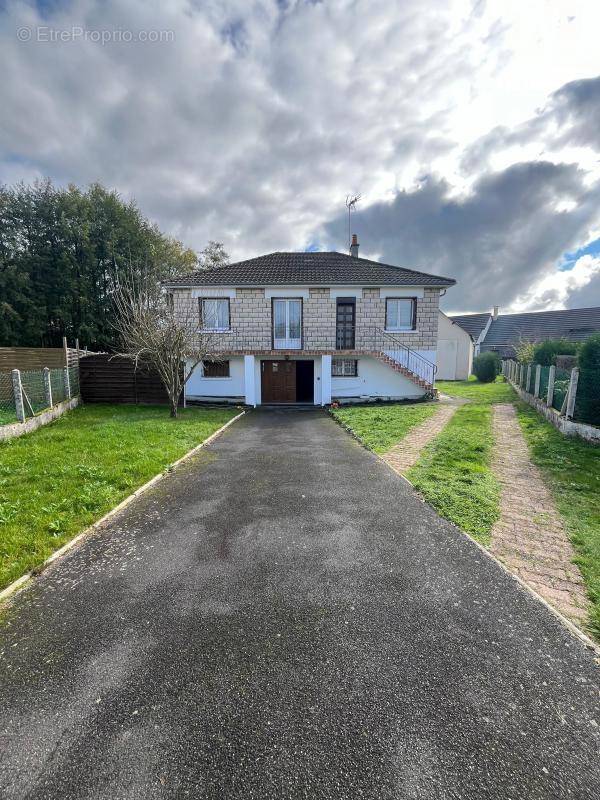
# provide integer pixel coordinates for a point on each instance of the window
(170, 301)
(287, 324)
(214, 313)
(215, 369)
(344, 367)
(400, 313)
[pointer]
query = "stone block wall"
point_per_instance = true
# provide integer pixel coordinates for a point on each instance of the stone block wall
(251, 312)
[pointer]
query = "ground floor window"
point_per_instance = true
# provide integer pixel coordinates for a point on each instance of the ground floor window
(344, 367)
(215, 369)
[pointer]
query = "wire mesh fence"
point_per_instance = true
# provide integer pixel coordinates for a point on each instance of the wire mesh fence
(57, 382)
(587, 400)
(34, 392)
(544, 379)
(562, 378)
(39, 390)
(575, 394)
(8, 412)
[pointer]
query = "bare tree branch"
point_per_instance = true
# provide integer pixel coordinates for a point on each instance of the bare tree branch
(154, 332)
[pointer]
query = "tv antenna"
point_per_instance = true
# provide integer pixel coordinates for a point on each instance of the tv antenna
(351, 206)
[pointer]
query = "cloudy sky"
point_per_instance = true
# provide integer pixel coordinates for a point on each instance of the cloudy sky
(471, 128)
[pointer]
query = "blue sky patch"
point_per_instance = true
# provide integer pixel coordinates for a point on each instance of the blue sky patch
(569, 259)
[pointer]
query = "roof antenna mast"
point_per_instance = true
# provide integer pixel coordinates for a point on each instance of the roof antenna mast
(351, 206)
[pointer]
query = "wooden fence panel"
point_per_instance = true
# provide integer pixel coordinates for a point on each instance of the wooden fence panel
(114, 379)
(33, 358)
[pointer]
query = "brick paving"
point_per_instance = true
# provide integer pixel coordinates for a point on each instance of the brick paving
(403, 455)
(530, 537)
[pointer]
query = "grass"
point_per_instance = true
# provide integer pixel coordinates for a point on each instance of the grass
(61, 478)
(497, 392)
(571, 468)
(7, 417)
(379, 427)
(454, 474)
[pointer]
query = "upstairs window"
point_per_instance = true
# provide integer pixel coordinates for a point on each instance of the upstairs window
(400, 313)
(287, 324)
(214, 313)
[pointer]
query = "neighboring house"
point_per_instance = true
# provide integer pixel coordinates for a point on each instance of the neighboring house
(313, 328)
(454, 351)
(502, 333)
(476, 325)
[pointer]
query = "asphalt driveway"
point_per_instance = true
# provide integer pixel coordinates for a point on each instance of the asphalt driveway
(283, 618)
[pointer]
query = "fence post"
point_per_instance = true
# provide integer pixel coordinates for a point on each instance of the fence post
(528, 377)
(18, 393)
(47, 387)
(521, 375)
(538, 375)
(550, 395)
(67, 383)
(572, 393)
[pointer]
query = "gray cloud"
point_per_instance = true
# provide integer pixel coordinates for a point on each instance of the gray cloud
(250, 126)
(570, 118)
(496, 242)
(257, 118)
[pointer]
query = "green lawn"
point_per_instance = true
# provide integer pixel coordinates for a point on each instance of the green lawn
(572, 471)
(454, 474)
(498, 392)
(379, 427)
(61, 478)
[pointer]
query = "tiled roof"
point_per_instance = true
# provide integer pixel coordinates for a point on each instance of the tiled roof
(575, 324)
(306, 269)
(471, 323)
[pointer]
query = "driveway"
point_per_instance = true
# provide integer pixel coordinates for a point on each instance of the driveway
(280, 618)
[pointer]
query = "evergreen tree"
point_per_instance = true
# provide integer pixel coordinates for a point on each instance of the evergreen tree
(59, 248)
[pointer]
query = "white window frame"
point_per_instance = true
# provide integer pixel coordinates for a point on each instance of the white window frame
(413, 315)
(204, 327)
(286, 343)
(344, 362)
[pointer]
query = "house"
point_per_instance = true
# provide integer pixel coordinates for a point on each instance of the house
(476, 325)
(502, 333)
(454, 350)
(313, 328)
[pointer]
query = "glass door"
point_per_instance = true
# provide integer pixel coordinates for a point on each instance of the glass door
(287, 324)
(345, 324)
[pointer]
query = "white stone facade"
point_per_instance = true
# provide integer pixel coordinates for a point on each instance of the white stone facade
(251, 310)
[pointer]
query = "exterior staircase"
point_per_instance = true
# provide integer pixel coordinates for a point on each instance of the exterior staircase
(412, 376)
(389, 350)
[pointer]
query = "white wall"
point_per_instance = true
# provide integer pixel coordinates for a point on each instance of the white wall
(454, 351)
(375, 380)
(199, 387)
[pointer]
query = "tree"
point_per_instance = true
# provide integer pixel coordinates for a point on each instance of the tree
(153, 331)
(213, 256)
(59, 248)
(545, 352)
(487, 366)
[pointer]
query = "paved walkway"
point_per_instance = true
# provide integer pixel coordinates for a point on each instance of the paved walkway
(282, 617)
(406, 453)
(530, 537)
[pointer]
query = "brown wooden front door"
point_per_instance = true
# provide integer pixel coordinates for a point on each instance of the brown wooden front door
(278, 381)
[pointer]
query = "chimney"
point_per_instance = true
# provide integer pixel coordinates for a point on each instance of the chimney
(495, 313)
(354, 246)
